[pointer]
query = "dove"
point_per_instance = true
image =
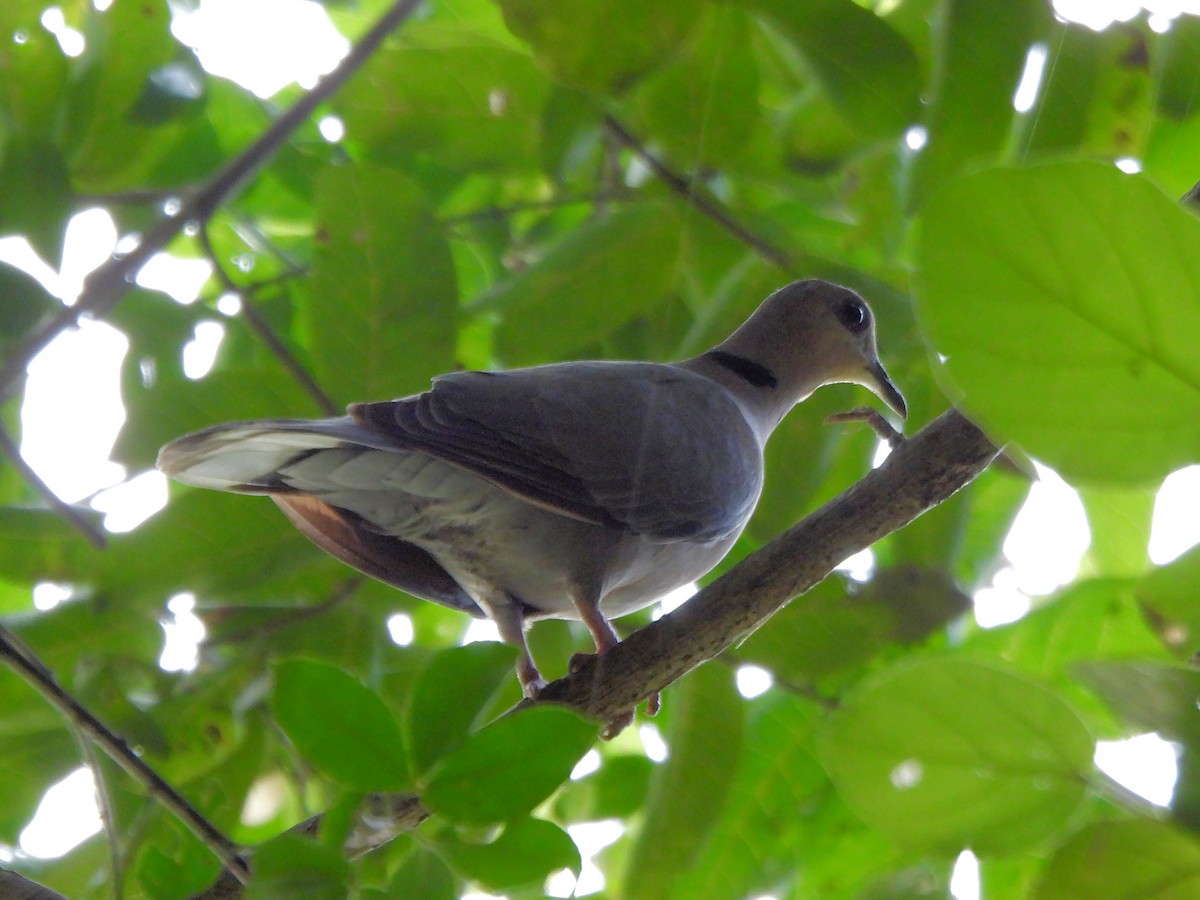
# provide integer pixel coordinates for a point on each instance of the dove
(580, 490)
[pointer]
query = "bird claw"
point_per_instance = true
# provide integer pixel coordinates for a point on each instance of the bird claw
(532, 688)
(625, 719)
(874, 419)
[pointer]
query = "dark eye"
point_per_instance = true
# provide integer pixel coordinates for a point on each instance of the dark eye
(854, 315)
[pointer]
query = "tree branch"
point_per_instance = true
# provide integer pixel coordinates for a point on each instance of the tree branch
(9, 448)
(921, 473)
(263, 331)
(104, 287)
(698, 197)
(43, 681)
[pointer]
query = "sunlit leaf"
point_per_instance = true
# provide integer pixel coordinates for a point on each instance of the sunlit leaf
(1064, 305)
(945, 753)
(526, 851)
(339, 726)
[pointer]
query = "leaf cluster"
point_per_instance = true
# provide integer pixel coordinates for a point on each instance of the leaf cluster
(481, 211)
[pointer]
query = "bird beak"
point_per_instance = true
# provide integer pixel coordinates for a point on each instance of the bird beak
(881, 385)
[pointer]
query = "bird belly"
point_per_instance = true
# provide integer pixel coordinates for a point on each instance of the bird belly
(647, 570)
(488, 539)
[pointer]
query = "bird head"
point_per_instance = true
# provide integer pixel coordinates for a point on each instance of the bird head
(812, 333)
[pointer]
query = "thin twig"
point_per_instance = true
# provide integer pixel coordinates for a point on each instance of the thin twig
(697, 197)
(68, 512)
(248, 230)
(265, 333)
(108, 814)
(108, 284)
(262, 330)
(44, 682)
(883, 429)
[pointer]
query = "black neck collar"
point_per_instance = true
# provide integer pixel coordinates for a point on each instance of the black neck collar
(748, 370)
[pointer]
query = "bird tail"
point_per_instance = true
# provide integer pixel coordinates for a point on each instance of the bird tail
(246, 457)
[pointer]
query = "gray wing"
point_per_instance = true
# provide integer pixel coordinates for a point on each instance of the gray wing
(648, 448)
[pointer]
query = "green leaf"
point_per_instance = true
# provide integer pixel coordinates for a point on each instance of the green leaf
(1065, 300)
(35, 72)
(1149, 696)
(616, 790)
(295, 866)
(109, 149)
(637, 37)
(791, 490)
(176, 868)
(1119, 523)
(818, 634)
(525, 852)
(1092, 619)
(704, 103)
(449, 696)
(599, 277)
(33, 759)
(204, 542)
(1169, 593)
(766, 825)
(945, 753)
(689, 791)
(382, 304)
(1140, 859)
(1170, 153)
(424, 875)
(65, 634)
(1176, 74)
(1070, 94)
(981, 53)
(468, 100)
(867, 69)
(339, 726)
(37, 195)
(26, 302)
(171, 91)
(508, 768)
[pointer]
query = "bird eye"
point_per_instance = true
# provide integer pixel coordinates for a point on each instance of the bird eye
(854, 315)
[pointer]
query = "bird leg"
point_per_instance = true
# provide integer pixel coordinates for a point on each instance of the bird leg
(501, 609)
(605, 639)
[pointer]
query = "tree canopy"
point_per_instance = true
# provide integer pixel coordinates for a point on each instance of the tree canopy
(526, 181)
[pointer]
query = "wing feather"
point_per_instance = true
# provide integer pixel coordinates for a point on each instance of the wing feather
(647, 448)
